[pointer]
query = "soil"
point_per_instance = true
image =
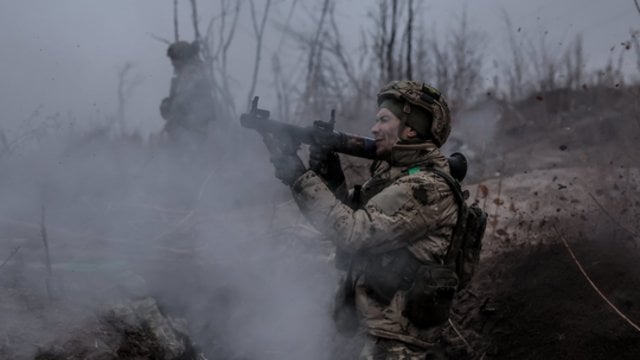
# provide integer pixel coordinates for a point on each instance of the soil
(534, 303)
(576, 183)
(247, 281)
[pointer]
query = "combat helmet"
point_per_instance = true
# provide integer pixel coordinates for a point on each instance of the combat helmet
(182, 50)
(425, 97)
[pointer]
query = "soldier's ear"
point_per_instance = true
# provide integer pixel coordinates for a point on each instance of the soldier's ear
(408, 133)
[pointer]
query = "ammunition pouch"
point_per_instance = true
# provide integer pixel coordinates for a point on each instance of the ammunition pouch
(430, 287)
(429, 300)
(388, 273)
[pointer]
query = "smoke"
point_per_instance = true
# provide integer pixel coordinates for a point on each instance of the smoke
(207, 231)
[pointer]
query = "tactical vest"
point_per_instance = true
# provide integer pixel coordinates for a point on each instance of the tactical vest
(430, 287)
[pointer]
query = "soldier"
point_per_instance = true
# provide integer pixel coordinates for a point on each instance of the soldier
(189, 108)
(393, 233)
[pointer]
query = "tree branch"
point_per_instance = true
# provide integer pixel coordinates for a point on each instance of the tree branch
(43, 233)
(10, 256)
(176, 34)
(259, 32)
(194, 19)
(409, 40)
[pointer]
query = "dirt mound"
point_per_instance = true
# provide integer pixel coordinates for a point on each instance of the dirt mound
(534, 303)
(136, 330)
(547, 175)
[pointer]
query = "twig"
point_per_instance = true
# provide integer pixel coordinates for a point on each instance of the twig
(194, 18)
(161, 39)
(494, 223)
(460, 336)
(10, 256)
(409, 40)
(637, 5)
(191, 212)
(629, 231)
(176, 34)
(43, 233)
(593, 285)
(258, 32)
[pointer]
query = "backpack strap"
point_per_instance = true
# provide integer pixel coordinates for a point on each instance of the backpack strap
(456, 241)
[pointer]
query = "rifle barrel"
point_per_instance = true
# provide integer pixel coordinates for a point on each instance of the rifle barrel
(344, 143)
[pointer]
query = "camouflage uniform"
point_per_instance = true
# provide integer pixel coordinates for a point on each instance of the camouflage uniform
(189, 108)
(399, 209)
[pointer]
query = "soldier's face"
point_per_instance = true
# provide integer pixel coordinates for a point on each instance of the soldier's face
(387, 131)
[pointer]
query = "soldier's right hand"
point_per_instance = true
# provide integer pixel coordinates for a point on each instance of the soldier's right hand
(288, 167)
(326, 163)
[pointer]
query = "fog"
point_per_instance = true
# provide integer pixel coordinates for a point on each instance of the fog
(64, 56)
(209, 232)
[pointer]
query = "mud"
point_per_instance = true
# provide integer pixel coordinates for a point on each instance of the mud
(534, 303)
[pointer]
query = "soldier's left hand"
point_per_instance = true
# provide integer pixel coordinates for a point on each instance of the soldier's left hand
(288, 167)
(326, 163)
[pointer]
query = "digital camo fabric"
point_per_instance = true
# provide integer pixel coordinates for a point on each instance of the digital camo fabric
(425, 97)
(399, 210)
(383, 349)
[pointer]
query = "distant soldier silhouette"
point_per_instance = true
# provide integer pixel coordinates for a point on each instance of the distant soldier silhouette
(189, 108)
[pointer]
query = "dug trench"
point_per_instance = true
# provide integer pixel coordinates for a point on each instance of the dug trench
(533, 302)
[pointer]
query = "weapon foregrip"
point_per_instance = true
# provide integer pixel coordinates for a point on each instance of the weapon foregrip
(355, 145)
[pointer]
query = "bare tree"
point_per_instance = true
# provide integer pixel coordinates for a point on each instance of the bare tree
(574, 65)
(315, 80)
(47, 259)
(258, 31)
(285, 86)
(332, 79)
(514, 71)
(467, 64)
(386, 21)
(635, 40)
(392, 39)
(176, 33)
(409, 38)
(194, 19)
(453, 63)
(126, 85)
(215, 50)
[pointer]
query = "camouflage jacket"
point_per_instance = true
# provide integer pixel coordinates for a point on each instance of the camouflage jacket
(400, 209)
(190, 104)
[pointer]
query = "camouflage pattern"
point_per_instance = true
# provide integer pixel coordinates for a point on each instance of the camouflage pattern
(426, 97)
(383, 349)
(399, 210)
(190, 107)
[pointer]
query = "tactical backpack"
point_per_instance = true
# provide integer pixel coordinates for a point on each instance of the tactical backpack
(464, 251)
(430, 298)
(430, 287)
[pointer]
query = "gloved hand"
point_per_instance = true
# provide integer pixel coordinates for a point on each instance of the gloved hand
(326, 163)
(288, 167)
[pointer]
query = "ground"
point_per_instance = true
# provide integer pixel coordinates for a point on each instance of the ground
(218, 243)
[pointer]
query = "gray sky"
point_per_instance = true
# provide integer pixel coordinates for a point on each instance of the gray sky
(64, 55)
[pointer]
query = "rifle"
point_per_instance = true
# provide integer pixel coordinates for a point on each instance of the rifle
(287, 138)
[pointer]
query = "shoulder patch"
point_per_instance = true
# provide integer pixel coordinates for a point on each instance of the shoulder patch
(420, 193)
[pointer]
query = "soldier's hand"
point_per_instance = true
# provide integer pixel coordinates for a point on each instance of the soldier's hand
(326, 163)
(288, 167)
